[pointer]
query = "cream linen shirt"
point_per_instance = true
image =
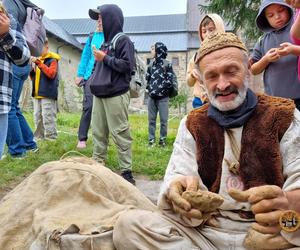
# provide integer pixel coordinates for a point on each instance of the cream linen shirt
(183, 163)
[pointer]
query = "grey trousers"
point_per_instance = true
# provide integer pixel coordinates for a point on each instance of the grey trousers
(160, 106)
(86, 115)
(110, 115)
(45, 110)
(144, 230)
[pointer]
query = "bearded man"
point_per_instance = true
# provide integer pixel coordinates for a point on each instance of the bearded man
(233, 180)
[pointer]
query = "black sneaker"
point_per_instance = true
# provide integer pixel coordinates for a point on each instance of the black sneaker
(33, 150)
(127, 175)
(19, 156)
(162, 143)
(151, 143)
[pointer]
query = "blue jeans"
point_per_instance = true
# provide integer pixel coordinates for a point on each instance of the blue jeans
(3, 131)
(19, 134)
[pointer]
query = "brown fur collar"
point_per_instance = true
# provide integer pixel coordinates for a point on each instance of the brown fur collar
(260, 158)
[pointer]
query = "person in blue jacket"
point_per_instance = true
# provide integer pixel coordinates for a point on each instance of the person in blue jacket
(85, 69)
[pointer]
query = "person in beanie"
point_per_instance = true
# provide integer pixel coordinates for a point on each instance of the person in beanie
(110, 105)
(210, 23)
(224, 188)
(158, 76)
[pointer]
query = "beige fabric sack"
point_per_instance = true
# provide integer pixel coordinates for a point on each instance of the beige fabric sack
(67, 204)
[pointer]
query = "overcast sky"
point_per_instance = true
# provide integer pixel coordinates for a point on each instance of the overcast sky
(58, 9)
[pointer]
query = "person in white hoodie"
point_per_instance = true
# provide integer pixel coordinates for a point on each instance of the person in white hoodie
(209, 24)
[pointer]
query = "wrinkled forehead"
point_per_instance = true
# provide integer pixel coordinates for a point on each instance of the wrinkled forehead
(222, 57)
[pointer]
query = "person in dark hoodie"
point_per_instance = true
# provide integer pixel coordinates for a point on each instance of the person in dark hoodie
(159, 76)
(274, 53)
(111, 102)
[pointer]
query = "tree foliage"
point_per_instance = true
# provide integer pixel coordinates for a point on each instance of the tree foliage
(179, 101)
(239, 13)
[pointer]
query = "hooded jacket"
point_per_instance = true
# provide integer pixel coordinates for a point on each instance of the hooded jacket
(119, 61)
(160, 73)
(280, 77)
(199, 90)
(87, 60)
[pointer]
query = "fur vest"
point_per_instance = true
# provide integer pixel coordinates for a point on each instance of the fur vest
(260, 159)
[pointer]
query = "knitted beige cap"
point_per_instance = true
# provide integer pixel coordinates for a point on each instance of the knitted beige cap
(218, 41)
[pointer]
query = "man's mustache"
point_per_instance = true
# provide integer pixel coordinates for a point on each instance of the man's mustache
(229, 90)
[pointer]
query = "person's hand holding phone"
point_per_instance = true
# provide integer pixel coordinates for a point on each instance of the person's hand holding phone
(98, 54)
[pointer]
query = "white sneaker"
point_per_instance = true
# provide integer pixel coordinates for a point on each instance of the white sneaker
(81, 144)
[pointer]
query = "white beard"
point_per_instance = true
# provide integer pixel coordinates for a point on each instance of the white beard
(230, 105)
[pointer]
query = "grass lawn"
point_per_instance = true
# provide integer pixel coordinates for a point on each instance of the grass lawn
(147, 161)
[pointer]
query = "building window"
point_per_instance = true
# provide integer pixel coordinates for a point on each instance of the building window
(175, 61)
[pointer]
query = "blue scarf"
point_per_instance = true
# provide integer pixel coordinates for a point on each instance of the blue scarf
(235, 118)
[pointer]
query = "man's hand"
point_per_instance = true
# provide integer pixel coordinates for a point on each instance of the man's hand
(4, 24)
(268, 203)
(98, 54)
(78, 80)
(180, 205)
